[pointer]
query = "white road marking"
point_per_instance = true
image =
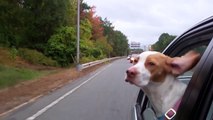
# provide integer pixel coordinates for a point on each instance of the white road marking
(19, 106)
(62, 97)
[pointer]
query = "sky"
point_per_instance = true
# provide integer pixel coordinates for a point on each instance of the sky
(145, 20)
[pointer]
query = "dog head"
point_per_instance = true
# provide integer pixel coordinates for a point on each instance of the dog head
(152, 66)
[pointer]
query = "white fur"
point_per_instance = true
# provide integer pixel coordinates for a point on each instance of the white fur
(142, 79)
(164, 95)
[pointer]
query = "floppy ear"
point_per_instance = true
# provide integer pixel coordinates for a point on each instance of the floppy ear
(184, 63)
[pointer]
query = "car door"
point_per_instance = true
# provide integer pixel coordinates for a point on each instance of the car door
(198, 96)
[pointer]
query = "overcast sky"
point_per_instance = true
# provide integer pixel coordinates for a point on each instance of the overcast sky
(145, 20)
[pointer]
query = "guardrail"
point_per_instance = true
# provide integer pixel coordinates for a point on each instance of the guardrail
(93, 63)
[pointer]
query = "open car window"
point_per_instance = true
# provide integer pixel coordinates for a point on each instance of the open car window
(149, 113)
(186, 77)
(210, 113)
(197, 99)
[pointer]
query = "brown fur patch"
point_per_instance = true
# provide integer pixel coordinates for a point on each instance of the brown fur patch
(158, 67)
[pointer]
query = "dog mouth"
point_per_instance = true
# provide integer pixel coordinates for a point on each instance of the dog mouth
(129, 79)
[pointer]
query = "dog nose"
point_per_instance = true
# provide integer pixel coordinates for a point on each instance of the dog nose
(131, 72)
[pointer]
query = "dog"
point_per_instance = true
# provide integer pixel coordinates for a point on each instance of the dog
(156, 74)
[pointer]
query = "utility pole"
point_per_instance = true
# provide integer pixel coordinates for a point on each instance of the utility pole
(78, 37)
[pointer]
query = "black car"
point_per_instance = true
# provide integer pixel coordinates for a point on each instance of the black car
(197, 100)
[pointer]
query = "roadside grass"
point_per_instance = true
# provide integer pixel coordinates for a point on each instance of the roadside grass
(10, 76)
(14, 69)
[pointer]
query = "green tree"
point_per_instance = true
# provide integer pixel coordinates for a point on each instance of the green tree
(86, 48)
(12, 23)
(108, 30)
(62, 46)
(72, 13)
(104, 46)
(163, 41)
(117, 40)
(92, 44)
(49, 27)
(86, 29)
(120, 44)
(30, 23)
(44, 18)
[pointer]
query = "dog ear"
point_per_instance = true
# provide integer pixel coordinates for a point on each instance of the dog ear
(184, 63)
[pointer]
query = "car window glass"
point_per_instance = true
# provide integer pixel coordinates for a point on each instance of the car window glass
(186, 77)
(210, 113)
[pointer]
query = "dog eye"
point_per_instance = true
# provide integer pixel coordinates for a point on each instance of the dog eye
(135, 60)
(151, 63)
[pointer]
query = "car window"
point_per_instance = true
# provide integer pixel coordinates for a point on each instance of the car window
(185, 78)
(210, 113)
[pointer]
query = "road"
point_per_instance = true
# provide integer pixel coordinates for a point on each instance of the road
(101, 95)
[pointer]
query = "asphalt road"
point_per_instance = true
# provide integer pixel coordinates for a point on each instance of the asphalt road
(102, 95)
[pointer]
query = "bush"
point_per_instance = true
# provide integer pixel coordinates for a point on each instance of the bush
(13, 53)
(36, 57)
(89, 49)
(62, 46)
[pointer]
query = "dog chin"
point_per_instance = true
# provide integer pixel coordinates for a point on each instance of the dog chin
(131, 81)
(141, 83)
(137, 82)
(142, 80)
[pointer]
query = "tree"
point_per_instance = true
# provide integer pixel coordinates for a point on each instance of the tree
(108, 30)
(120, 44)
(162, 42)
(62, 46)
(50, 27)
(104, 46)
(85, 29)
(93, 41)
(30, 23)
(44, 18)
(12, 23)
(97, 28)
(72, 12)
(116, 39)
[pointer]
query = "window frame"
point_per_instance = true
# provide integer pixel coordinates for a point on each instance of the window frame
(201, 33)
(142, 99)
(197, 98)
